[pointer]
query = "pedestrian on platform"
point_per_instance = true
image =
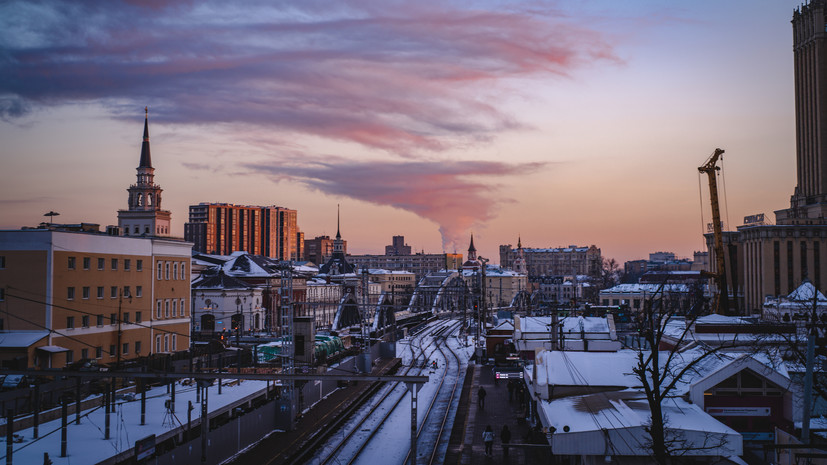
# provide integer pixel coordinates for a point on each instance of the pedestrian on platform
(505, 438)
(488, 440)
(481, 397)
(510, 389)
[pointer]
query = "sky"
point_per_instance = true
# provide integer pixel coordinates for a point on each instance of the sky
(559, 122)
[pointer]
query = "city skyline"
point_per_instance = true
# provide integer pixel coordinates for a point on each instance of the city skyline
(561, 124)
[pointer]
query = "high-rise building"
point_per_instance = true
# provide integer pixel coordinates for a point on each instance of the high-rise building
(222, 228)
(319, 249)
(144, 216)
(773, 260)
(398, 247)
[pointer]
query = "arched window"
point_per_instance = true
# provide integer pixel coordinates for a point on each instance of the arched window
(140, 199)
(149, 200)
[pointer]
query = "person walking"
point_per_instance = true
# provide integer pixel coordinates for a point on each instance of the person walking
(505, 438)
(488, 440)
(481, 397)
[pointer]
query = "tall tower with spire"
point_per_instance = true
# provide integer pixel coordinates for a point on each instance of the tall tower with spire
(144, 216)
(519, 260)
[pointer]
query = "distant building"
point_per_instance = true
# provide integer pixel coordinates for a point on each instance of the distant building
(144, 216)
(223, 228)
(338, 263)
(93, 296)
(554, 261)
(319, 249)
(398, 247)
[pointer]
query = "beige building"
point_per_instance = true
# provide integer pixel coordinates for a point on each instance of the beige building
(501, 286)
(95, 296)
(420, 264)
(556, 261)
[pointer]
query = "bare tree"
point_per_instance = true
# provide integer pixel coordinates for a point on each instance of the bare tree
(660, 372)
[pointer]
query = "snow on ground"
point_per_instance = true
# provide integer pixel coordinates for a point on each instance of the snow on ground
(86, 443)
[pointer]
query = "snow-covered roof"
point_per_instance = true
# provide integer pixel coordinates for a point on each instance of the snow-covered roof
(613, 423)
(573, 368)
(573, 324)
(504, 325)
(17, 339)
(640, 288)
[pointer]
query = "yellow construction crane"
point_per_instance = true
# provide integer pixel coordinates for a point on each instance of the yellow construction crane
(722, 306)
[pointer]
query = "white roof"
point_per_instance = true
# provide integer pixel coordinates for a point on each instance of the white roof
(574, 368)
(639, 288)
(574, 324)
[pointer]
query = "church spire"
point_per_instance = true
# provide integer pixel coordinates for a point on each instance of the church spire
(472, 251)
(519, 242)
(146, 159)
(338, 234)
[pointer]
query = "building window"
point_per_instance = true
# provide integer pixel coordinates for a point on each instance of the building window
(100, 292)
(71, 263)
(166, 342)
(157, 344)
(86, 263)
(125, 350)
(138, 318)
(139, 291)
(127, 264)
(111, 350)
(160, 271)
(70, 293)
(2, 261)
(100, 263)
(790, 281)
(138, 347)
(166, 309)
(139, 265)
(98, 352)
(127, 292)
(84, 354)
(99, 319)
(166, 270)
(126, 318)
(804, 273)
(70, 356)
(172, 337)
(158, 310)
(70, 322)
(85, 292)
(2, 294)
(182, 307)
(113, 292)
(174, 271)
(113, 319)
(817, 264)
(114, 264)
(174, 307)
(776, 266)
(183, 270)
(85, 321)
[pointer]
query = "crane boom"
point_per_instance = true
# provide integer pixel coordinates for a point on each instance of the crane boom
(710, 168)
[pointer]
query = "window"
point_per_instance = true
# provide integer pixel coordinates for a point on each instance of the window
(174, 271)
(126, 317)
(99, 320)
(172, 338)
(85, 320)
(158, 310)
(166, 270)
(70, 322)
(127, 264)
(125, 348)
(84, 353)
(71, 263)
(70, 356)
(183, 270)
(160, 271)
(100, 292)
(139, 265)
(174, 307)
(114, 264)
(112, 319)
(100, 263)
(111, 350)
(166, 342)
(86, 263)
(2, 261)
(2, 294)
(85, 292)
(98, 352)
(70, 293)
(137, 347)
(113, 292)
(166, 309)
(127, 292)
(139, 291)
(157, 344)
(181, 308)
(138, 318)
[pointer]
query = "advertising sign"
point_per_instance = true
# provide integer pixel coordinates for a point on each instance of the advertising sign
(145, 448)
(738, 411)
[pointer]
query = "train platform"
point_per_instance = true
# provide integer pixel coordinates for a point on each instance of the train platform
(466, 445)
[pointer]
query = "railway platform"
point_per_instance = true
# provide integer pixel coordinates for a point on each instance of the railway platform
(467, 446)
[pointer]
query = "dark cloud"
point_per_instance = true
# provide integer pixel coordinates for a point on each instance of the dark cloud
(455, 195)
